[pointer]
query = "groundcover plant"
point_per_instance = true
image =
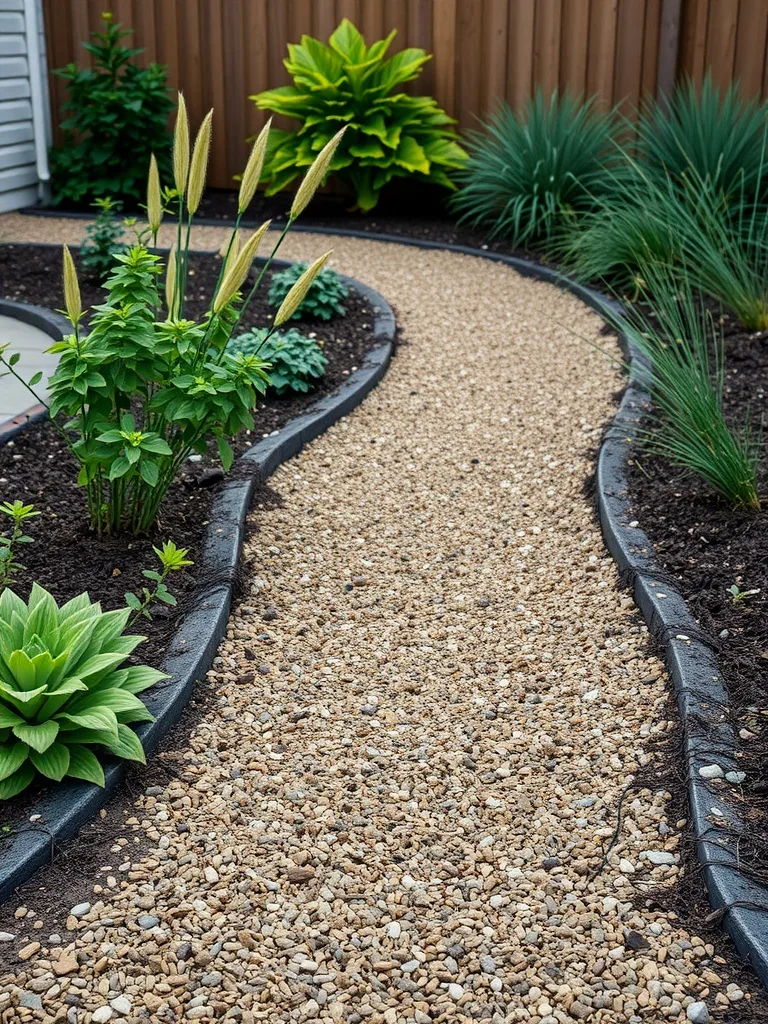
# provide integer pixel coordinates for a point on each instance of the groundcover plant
(145, 387)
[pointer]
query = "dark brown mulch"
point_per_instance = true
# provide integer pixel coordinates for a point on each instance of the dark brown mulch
(705, 545)
(37, 468)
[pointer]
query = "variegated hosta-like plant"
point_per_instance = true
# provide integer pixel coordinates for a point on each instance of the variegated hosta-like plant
(63, 692)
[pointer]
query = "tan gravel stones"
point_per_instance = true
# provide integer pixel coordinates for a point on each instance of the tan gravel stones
(397, 823)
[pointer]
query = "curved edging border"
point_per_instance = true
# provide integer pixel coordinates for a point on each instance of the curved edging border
(702, 697)
(700, 691)
(65, 809)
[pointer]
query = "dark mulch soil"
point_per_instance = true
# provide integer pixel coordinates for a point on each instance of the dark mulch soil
(705, 545)
(37, 468)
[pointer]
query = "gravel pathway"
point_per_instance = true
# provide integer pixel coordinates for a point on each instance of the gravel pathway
(427, 707)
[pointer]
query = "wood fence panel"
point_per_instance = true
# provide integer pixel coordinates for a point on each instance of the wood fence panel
(222, 51)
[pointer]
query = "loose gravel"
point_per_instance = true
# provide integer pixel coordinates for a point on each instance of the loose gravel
(428, 705)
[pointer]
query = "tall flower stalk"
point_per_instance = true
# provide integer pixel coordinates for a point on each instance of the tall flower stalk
(146, 387)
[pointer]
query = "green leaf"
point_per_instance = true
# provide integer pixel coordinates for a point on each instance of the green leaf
(83, 764)
(14, 784)
(8, 718)
(12, 758)
(132, 601)
(119, 468)
(411, 155)
(226, 454)
(39, 736)
(156, 445)
(149, 472)
(100, 719)
(53, 763)
(141, 677)
(127, 745)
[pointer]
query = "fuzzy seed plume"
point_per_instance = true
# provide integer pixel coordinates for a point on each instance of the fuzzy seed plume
(154, 202)
(181, 147)
(252, 171)
(171, 285)
(298, 293)
(237, 272)
(229, 251)
(199, 164)
(71, 289)
(314, 176)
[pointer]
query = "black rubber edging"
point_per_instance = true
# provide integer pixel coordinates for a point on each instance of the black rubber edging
(701, 694)
(65, 809)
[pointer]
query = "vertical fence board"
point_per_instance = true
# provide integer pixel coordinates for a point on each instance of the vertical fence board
(222, 51)
(520, 42)
(751, 35)
(574, 46)
(546, 51)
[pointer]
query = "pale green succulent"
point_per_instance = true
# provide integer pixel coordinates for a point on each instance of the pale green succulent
(62, 690)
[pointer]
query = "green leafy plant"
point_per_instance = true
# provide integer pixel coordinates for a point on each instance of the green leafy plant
(63, 693)
(294, 362)
(172, 559)
(97, 253)
(717, 137)
(117, 115)
(531, 174)
(738, 595)
(348, 84)
(18, 513)
(685, 352)
(325, 299)
(147, 387)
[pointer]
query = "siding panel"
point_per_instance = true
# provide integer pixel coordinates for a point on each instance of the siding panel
(18, 163)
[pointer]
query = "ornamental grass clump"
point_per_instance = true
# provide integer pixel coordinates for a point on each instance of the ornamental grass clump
(145, 387)
(719, 138)
(531, 174)
(390, 134)
(324, 300)
(689, 427)
(66, 698)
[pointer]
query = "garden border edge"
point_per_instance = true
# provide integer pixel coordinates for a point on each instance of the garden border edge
(193, 646)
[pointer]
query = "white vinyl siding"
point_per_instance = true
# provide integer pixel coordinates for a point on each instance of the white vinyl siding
(18, 165)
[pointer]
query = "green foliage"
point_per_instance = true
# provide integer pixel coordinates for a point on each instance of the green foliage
(295, 362)
(530, 175)
(172, 559)
(686, 354)
(63, 692)
(716, 138)
(146, 387)
(390, 134)
(97, 253)
(117, 117)
(18, 513)
(325, 298)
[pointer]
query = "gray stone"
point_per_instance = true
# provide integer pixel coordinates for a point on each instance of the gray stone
(698, 1013)
(80, 910)
(147, 921)
(31, 1001)
(487, 965)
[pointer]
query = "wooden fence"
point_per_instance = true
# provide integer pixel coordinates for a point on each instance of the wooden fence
(221, 51)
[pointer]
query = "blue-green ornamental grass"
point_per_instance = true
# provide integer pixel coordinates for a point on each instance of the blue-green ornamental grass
(65, 696)
(295, 362)
(718, 137)
(532, 173)
(324, 300)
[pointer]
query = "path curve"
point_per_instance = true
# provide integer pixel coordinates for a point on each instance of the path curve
(432, 724)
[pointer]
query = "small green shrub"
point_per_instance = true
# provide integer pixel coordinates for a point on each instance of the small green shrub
(685, 350)
(325, 299)
(117, 116)
(389, 134)
(63, 694)
(716, 138)
(17, 512)
(294, 362)
(530, 175)
(97, 253)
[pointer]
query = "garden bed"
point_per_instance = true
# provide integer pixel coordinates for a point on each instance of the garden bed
(66, 560)
(203, 506)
